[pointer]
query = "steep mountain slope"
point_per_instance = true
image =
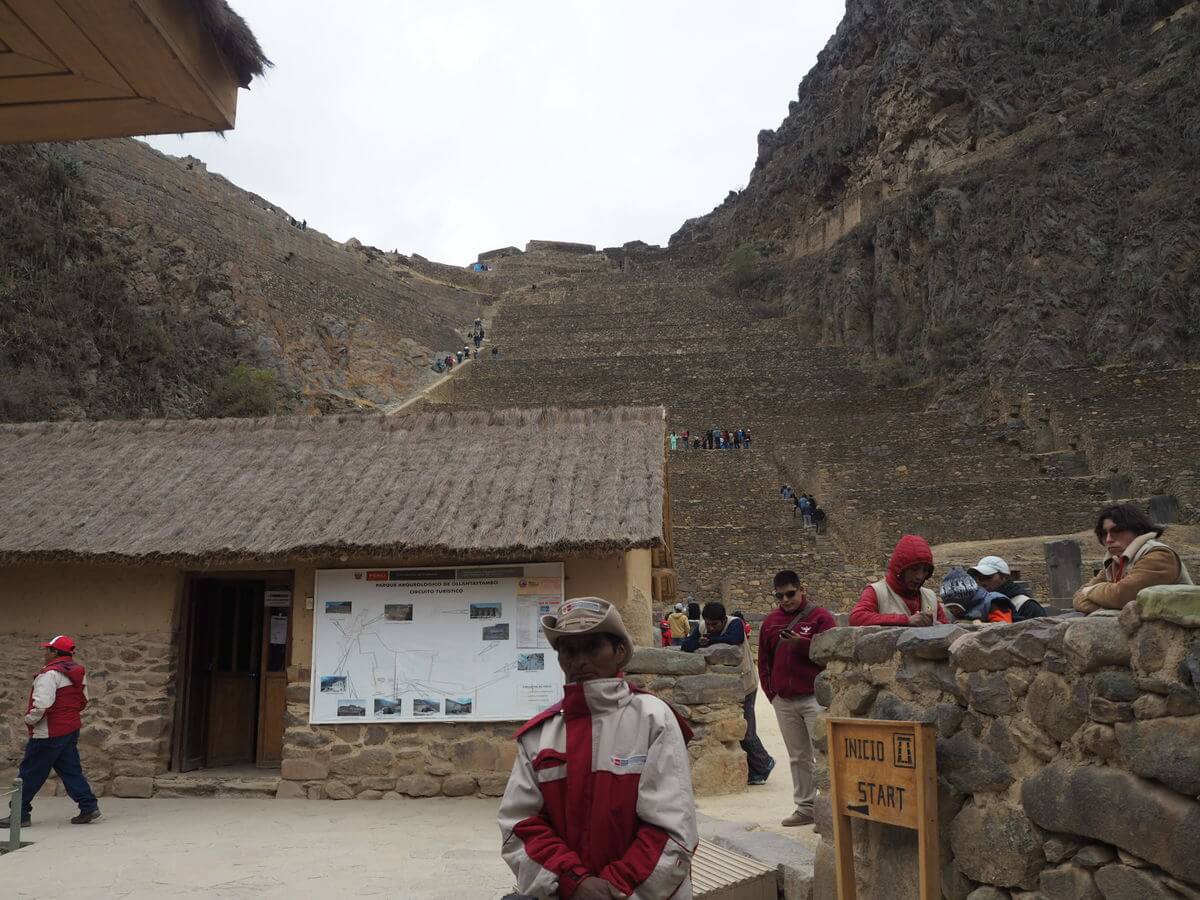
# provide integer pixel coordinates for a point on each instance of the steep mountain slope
(984, 187)
(132, 283)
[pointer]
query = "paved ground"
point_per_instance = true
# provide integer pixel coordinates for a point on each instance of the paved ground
(434, 849)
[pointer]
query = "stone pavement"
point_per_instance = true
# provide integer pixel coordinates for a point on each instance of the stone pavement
(434, 848)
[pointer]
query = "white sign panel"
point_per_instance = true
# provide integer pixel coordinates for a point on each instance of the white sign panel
(421, 645)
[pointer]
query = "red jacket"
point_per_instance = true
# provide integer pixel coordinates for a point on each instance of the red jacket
(70, 699)
(601, 786)
(910, 551)
(783, 666)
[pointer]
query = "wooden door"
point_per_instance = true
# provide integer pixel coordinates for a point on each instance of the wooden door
(234, 673)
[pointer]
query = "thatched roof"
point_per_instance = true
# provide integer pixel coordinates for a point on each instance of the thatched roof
(234, 39)
(488, 483)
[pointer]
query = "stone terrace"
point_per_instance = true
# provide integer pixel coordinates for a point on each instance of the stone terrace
(878, 459)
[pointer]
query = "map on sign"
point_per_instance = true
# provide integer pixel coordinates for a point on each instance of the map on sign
(420, 645)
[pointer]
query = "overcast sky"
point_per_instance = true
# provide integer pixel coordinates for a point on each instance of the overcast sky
(453, 127)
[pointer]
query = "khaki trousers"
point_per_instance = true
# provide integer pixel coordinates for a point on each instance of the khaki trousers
(797, 721)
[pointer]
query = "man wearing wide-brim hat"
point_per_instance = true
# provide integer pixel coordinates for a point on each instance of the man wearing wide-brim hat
(599, 805)
(58, 697)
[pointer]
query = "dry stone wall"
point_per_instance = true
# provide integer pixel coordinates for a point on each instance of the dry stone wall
(1068, 752)
(392, 762)
(124, 742)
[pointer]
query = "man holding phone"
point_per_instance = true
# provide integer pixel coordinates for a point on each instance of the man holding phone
(787, 674)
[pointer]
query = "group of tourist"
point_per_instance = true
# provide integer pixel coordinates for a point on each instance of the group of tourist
(804, 507)
(713, 439)
(449, 361)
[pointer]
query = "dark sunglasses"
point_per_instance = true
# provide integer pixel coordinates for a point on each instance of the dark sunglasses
(786, 595)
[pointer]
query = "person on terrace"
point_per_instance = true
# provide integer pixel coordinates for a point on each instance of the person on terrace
(1136, 559)
(900, 597)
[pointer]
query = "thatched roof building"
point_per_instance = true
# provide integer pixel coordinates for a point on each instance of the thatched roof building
(243, 583)
(508, 482)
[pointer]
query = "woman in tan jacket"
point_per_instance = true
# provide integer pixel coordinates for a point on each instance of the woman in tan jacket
(1136, 559)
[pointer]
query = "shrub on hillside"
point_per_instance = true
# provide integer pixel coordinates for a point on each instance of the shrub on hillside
(745, 268)
(246, 392)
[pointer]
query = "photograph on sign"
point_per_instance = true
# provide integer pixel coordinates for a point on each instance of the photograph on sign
(397, 645)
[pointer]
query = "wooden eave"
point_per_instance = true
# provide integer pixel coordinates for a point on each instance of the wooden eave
(80, 69)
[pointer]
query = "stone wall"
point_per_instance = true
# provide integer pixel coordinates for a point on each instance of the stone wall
(375, 762)
(125, 736)
(1068, 752)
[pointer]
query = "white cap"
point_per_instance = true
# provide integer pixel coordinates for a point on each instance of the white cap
(990, 565)
(678, 607)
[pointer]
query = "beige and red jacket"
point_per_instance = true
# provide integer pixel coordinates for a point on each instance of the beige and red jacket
(601, 787)
(1145, 562)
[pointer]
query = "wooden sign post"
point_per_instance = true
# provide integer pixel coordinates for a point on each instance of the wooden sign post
(884, 772)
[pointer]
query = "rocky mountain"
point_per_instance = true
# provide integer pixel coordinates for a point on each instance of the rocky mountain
(983, 187)
(137, 284)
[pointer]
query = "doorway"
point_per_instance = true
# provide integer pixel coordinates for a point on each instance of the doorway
(232, 673)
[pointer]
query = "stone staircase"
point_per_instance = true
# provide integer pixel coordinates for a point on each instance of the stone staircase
(239, 782)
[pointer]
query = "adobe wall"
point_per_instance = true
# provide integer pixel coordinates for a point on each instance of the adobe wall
(123, 619)
(374, 762)
(1068, 752)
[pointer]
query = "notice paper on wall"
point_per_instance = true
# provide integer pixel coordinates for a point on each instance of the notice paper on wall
(449, 644)
(278, 629)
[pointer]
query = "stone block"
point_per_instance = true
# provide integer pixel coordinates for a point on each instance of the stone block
(709, 689)
(1100, 740)
(289, 790)
(1165, 749)
(728, 731)
(1056, 706)
(377, 783)
(970, 766)
(664, 661)
(1064, 563)
(1101, 710)
(1093, 642)
(923, 676)
(877, 646)
(458, 785)
(823, 689)
(721, 655)
(1176, 603)
(338, 790)
(932, 642)
(717, 769)
(132, 786)
(1060, 847)
(1068, 882)
(298, 692)
(139, 768)
(998, 845)
(989, 693)
(304, 769)
(1118, 882)
(369, 795)
(419, 786)
(1127, 811)
(372, 761)
(1130, 618)
(987, 892)
(477, 754)
(1093, 856)
(1001, 647)
(835, 644)
(1119, 687)
(492, 784)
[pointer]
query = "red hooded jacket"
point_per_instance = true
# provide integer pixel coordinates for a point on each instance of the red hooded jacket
(910, 551)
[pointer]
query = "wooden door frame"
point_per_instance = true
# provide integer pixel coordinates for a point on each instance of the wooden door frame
(264, 651)
(183, 638)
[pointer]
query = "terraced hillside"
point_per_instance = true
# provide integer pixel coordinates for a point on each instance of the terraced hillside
(882, 460)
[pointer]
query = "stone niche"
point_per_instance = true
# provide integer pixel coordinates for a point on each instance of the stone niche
(1068, 752)
(395, 761)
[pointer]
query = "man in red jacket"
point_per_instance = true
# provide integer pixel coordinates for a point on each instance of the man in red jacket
(787, 675)
(59, 695)
(901, 598)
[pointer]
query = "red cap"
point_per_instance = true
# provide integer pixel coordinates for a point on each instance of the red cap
(62, 643)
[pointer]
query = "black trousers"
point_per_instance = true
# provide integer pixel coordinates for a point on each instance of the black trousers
(757, 757)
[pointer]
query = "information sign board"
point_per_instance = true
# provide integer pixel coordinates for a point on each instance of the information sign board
(884, 772)
(420, 645)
